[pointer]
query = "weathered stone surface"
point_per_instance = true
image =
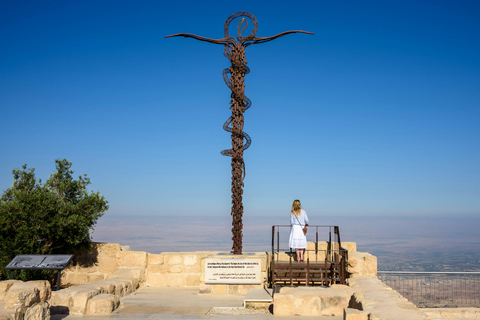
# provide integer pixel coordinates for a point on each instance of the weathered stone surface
(131, 273)
(192, 280)
(80, 298)
(350, 246)
(44, 288)
(21, 294)
(241, 289)
(39, 311)
(93, 277)
(173, 258)
(109, 249)
(203, 288)
(107, 264)
(304, 301)
(354, 314)
(155, 259)
(195, 268)
(156, 280)
(451, 313)
(190, 259)
(175, 280)
(218, 289)
(5, 286)
(155, 268)
(102, 304)
(61, 301)
(361, 264)
(175, 269)
(381, 301)
(132, 259)
(76, 278)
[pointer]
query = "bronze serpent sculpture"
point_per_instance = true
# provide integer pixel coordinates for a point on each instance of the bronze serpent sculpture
(234, 77)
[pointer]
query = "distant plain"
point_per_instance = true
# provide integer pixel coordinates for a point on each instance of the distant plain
(416, 243)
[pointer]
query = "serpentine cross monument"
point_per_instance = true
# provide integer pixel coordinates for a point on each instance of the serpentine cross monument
(234, 77)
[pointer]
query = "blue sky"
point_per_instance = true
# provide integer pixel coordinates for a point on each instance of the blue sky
(376, 114)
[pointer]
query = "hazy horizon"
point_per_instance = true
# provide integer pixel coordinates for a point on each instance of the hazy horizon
(422, 240)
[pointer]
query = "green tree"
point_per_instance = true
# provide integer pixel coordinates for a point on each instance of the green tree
(51, 218)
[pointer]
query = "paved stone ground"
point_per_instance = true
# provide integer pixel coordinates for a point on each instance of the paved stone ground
(155, 303)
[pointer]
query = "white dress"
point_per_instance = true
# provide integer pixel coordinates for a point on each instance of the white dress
(298, 240)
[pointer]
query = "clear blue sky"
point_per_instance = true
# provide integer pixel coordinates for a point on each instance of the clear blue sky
(378, 113)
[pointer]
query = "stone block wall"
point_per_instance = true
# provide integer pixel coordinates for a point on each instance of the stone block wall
(25, 300)
(168, 269)
(105, 260)
(100, 297)
(187, 269)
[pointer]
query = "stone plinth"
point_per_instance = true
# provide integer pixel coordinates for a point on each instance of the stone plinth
(25, 300)
(312, 301)
(382, 302)
(361, 264)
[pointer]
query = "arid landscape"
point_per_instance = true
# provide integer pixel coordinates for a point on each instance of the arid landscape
(400, 244)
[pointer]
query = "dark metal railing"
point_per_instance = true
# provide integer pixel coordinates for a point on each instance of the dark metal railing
(435, 289)
(324, 264)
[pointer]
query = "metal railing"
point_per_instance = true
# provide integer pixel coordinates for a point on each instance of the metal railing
(329, 253)
(316, 230)
(435, 289)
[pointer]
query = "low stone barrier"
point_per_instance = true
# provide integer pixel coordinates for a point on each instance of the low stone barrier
(452, 313)
(100, 297)
(167, 269)
(312, 301)
(24, 300)
(380, 302)
(187, 269)
(101, 262)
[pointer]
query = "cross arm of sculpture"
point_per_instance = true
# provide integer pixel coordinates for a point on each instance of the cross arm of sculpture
(230, 40)
(241, 26)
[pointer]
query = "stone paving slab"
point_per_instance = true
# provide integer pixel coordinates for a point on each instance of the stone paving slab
(155, 303)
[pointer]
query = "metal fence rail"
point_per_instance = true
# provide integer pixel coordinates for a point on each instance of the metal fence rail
(435, 289)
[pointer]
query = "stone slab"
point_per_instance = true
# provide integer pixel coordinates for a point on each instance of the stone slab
(262, 295)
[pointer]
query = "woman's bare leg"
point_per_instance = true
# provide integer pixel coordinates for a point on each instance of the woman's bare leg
(299, 254)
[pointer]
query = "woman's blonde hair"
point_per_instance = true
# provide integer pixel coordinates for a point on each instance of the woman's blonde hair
(296, 207)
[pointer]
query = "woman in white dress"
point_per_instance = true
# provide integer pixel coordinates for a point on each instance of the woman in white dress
(298, 219)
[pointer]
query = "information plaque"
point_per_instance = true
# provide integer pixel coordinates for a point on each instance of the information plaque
(40, 261)
(45, 261)
(233, 271)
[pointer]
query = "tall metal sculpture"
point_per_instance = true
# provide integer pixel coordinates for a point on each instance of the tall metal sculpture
(234, 77)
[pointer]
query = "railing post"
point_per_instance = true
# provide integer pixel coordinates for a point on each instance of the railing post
(291, 275)
(278, 239)
(308, 272)
(273, 239)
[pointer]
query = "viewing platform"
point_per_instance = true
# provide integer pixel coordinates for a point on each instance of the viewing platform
(116, 283)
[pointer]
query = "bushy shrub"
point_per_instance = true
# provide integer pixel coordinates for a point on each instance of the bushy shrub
(51, 218)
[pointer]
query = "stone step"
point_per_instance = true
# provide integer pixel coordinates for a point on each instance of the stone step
(260, 298)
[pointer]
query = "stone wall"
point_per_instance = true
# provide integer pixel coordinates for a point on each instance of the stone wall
(100, 297)
(25, 300)
(168, 269)
(104, 260)
(452, 313)
(187, 269)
